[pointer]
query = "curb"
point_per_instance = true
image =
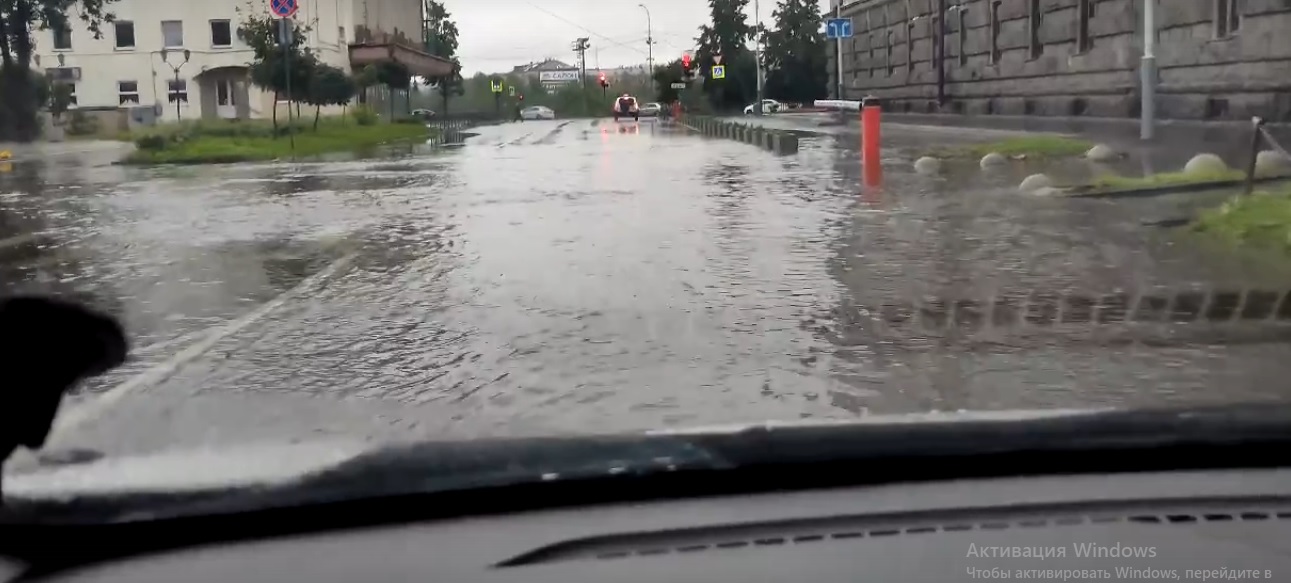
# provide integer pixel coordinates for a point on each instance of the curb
(1169, 189)
(779, 142)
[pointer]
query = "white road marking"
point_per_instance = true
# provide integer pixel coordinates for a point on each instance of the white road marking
(91, 408)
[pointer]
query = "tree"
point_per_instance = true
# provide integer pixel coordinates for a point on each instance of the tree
(394, 75)
(726, 35)
(795, 53)
(329, 85)
(19, 89)
(269, 65)
(441, 40)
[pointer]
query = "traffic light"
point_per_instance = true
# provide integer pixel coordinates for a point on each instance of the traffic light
(602, 81)
(520, 97)
(685, 62)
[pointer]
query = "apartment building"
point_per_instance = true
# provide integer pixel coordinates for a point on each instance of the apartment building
(183, 58)
(1216, 59)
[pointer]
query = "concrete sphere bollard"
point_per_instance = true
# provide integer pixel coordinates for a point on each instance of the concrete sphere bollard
(927, 165)
(993, 159)
(1035, 182)
(1205, 163)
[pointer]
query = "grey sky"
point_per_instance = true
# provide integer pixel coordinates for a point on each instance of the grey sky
(496, 35)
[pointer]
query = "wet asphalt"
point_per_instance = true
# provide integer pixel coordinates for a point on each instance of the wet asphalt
(579, 276)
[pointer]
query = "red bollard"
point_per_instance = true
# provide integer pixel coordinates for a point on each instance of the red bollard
(871, 139)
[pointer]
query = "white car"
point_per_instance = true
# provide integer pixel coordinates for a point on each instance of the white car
(768, 106)
(537, 112)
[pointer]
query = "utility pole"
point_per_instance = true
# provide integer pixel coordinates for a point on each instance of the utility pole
(1148, 72)
(580, 46)
(757, 55)
(838, 53)
(649, 39)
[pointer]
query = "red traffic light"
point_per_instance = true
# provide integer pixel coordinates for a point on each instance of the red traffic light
(521, 97)
(685, 60)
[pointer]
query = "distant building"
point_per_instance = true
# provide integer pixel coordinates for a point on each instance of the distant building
(139, 64)
(550, 72)
(1216, 59)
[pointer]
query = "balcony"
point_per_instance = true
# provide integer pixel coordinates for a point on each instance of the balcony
(372, 47)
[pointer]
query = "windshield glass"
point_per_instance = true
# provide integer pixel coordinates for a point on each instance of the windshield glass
(458, 239)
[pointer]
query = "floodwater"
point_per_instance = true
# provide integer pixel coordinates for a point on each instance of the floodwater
(578, 276)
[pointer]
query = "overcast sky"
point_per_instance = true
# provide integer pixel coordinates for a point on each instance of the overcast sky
(496, 35)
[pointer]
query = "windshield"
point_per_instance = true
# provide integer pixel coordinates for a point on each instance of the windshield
(297, 261)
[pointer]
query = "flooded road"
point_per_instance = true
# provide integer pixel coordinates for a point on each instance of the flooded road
(586, 276)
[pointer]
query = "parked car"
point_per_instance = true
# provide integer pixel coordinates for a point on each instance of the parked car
(537, 112)
(424, 114)
(768, 106)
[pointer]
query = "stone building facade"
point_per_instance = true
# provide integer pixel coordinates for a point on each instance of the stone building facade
(1216, 59)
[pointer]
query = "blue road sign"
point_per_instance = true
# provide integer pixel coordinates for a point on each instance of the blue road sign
(836, 28)
(283, 8)
(719, 72)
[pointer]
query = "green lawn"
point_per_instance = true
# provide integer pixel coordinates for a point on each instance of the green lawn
(1037, 146)
(1260, 220)
(217, 142)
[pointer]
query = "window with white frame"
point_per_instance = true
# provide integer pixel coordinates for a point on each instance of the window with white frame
(127, 92)
(221, 33)
(62, 37)
(172, 34)
(177, 90)
(124, 34)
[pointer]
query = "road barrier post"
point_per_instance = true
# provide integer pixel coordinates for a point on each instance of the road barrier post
(871, 141)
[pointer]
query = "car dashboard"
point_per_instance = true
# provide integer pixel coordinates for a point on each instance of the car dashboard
(1200, 524)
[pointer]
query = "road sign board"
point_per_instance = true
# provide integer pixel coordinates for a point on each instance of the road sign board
(497, 87)
(284, 8)
(836, 28)
(717, 59)
(511, 91)
(678, 85)
(719, 72)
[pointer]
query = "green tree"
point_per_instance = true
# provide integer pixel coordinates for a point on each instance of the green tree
(441, 40)
(329, 86)
(270, 64)
(726, 35)
(795, 53)
(19, 89)
(394, 76)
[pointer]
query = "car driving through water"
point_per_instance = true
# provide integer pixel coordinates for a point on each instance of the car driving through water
(626, 106)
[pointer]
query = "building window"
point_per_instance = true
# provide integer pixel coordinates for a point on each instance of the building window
(995, 32)
(172, 33)
(62, 38)
(221, 33)
(1036, 19)
(1083, 40)
(1228, 18)
(909, 47)
(891, 69)
(127, 92)
(177, 90)
(963, 36)
(71, 90)
(124, 32)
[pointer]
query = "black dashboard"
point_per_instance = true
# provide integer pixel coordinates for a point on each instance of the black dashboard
(1186, 525)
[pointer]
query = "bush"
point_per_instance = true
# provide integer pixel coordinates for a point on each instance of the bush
(82, 125)
(152, 142)
(364, 115)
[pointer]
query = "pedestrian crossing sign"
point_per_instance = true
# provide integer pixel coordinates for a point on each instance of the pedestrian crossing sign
(719, 71)
(497, 86)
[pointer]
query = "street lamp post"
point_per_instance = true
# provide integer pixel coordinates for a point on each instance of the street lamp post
(757, 55)
(649, 39)
(1148, 72)
(187, 55)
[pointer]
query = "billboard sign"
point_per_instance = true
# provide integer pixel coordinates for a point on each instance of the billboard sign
(558, 76)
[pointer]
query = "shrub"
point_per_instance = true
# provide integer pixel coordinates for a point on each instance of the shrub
(364, 115)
